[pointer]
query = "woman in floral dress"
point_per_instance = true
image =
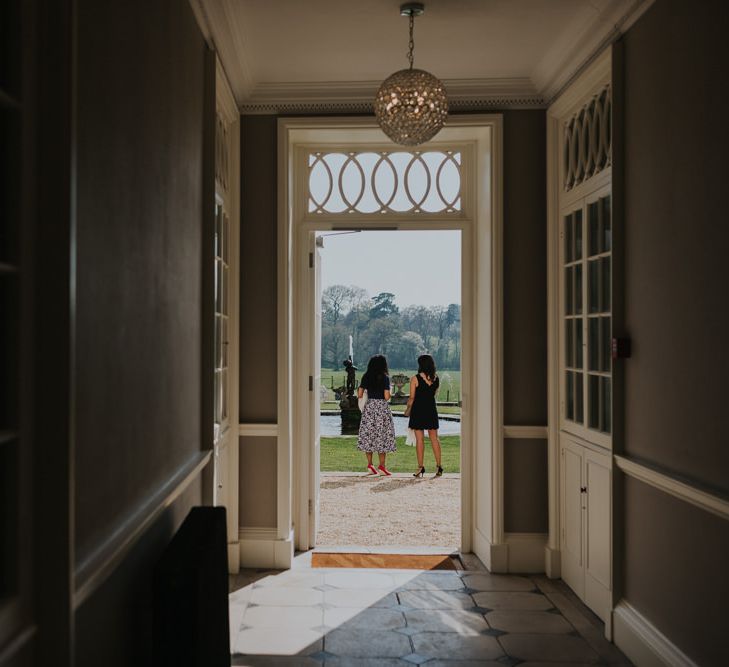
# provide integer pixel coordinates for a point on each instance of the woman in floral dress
(376, 430)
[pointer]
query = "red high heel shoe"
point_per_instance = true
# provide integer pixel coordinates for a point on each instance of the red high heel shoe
(371, 469)
(384, 471)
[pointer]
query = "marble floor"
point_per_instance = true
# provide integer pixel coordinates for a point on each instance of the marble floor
(307, 616)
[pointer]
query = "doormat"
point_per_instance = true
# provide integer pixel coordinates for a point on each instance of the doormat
(391, 561)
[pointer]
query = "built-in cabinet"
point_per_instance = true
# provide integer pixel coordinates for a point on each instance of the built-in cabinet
(580, 145)
(586, 508)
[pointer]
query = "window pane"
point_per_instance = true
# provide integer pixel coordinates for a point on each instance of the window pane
(224, 343)
(607, 238)
(606, 406)
(578, 289)
(578, 344)
(578, 234)
(593, 286)
(568, 238)
(568, 291)
(579, 399)
(570, 391)
(593, 397)
(605, 305)
(569, 343)
(593, 343)
(606, 344)
(593, 223)
(218, 341)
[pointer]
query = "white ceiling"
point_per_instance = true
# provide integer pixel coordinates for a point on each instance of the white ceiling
(282, 52)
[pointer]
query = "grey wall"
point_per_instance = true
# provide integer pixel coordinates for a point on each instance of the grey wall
(138, 308)
(525, 362)
(676, 273)
(258, 502)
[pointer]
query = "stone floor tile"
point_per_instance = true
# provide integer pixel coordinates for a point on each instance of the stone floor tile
(415, 658)
(435, 600)
(293, 579)
(274, 661)
(277, 596)
(549, 648)
(497, 582)
(353, 580)
(446, 620)
(375, 619)
(554, 664)
(361, 598)
(364, 662)
(465, 663)
(434, 582)
(235, 621)
(299, 618)
(364, 643)
(241, 596)
(446, 645)
(513, 600)
(274, 641)
(472, 562)
(531, 622)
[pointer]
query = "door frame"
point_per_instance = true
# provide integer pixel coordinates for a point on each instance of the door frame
(482, 295)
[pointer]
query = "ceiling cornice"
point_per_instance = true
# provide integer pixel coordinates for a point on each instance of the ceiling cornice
(569, 56)
(357, 96)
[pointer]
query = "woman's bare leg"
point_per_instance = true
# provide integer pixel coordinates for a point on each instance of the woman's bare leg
(435, 444)
(419, 446)
(383, 456)
(369, 458)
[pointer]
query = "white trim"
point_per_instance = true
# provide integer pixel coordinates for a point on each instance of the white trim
(642, 642)
(264, 430)
(674, 487)
(261, 547)
(526, 432)
(482, 505)
(525, 552)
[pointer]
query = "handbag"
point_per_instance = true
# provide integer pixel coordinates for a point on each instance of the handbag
(361, 402)
(410, 438)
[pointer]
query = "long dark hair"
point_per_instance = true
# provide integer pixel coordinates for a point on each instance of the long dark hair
(377, 371)
(426, 364)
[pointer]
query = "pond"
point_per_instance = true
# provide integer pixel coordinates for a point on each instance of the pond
(332, 425)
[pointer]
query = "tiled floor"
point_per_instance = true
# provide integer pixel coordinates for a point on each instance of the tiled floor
(307, 616)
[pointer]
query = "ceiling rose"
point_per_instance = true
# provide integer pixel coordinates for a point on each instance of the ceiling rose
(411, 105)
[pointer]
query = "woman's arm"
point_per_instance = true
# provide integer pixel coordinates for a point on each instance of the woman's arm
(387, 394)
(413, 387)
(360, 392)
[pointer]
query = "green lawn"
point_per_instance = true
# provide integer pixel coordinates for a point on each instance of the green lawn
(340, 454)
(442, 409)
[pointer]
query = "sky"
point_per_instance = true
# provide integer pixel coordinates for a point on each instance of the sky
(418, 267)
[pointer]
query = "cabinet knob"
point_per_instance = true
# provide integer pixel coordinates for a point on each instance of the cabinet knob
(583, 489)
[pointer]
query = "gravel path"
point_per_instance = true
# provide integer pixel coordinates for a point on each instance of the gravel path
(389, 511)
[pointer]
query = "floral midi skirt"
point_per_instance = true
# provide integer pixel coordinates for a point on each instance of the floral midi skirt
(376, 430)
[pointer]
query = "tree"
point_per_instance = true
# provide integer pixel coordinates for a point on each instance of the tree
(383, 304)
(337, 300)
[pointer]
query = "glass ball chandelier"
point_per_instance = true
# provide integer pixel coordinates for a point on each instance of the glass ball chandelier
(411, 105)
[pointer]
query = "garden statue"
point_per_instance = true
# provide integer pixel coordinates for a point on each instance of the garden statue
(351, 381)
(398, 382)
(350, 410)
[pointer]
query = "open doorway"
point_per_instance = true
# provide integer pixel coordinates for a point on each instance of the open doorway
(396, 294)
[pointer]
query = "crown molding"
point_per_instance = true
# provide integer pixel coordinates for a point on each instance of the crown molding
(569, 56)
(357, 96)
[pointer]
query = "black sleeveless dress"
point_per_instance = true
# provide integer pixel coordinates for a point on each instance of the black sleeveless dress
(423, 413)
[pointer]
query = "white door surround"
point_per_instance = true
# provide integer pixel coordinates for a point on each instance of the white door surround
(480, 222)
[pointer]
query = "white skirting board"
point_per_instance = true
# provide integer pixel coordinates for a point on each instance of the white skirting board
(519, 553)
(642, 642)
(260, 547)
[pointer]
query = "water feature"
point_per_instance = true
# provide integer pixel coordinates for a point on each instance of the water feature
(330, 425)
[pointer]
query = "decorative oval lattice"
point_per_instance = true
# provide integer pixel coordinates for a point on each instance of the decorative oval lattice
(385, 182)
(587, 141)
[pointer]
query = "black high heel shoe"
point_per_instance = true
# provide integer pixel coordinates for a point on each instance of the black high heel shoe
(438, 473)
(420, 473)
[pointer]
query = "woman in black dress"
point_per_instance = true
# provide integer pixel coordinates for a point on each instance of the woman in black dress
(423, 413)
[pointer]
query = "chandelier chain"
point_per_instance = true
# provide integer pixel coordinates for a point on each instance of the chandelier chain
(411, 45)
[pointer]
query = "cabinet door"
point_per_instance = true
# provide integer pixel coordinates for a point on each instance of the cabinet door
(572, 517)
(597, 543)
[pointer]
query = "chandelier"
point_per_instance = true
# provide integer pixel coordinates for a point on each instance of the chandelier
(411, 104)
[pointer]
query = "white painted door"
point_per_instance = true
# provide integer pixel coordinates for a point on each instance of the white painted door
(598, 554)
(315, 384)
(572, 517)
